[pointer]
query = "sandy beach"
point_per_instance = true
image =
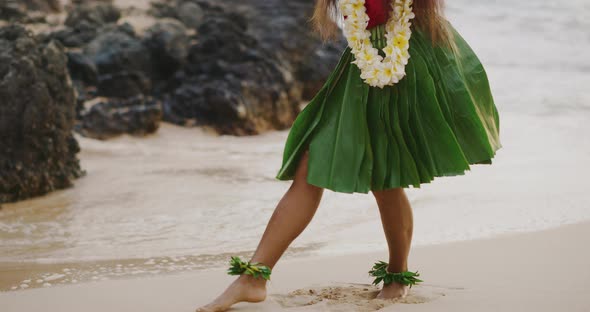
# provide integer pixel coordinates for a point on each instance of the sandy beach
(154, 222)
(542, 271)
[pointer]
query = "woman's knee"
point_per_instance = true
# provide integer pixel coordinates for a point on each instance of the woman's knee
(388, 194)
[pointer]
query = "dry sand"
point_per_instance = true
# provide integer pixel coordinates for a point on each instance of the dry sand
(542, 271)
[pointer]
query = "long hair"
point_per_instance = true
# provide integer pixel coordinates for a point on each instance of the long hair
(429, 18)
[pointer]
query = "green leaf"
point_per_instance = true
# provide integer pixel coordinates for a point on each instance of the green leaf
(238, 267)
(379, 271)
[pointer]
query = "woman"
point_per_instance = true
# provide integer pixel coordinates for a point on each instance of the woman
(408, 101)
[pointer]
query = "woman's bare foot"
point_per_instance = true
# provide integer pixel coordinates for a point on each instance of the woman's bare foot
(393, 291)
(244, 289)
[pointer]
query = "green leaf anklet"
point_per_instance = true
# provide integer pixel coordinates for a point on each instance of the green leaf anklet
(380, 273)
(239, 267)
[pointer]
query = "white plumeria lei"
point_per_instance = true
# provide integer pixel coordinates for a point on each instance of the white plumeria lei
(376, 70)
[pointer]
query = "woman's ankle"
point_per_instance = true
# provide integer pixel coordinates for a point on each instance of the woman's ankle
(252, 281)
(397, 268)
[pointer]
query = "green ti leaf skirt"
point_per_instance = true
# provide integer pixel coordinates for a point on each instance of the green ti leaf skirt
(437, 121)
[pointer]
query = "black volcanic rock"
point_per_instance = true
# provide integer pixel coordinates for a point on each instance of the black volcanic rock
(12, 11)
(109, 118)
(252, 64)
(123, 62)
(12, 8)
(73, 37)
(37, 148)
(123, 84)
(78, 2)
(27, 11)
(95, 14)
(314, 67)
(283, 27)
(168, 44)
(232, 84)
(84, 22)
(190, 13)
(82, 68)
(41, 5)
(239, 66)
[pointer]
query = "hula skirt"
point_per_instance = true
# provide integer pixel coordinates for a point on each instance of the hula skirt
(437, 121)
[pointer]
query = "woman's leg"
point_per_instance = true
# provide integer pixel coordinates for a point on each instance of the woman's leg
(397, 220)
(291, 216)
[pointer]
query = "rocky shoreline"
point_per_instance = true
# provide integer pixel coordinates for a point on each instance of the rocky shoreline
(240, 67)
(36, 117)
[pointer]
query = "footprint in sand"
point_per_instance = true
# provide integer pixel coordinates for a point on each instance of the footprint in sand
(353, 297)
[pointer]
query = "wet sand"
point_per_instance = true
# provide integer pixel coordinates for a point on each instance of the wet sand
(542, 271)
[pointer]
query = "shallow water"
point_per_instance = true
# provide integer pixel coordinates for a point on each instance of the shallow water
(184, 199)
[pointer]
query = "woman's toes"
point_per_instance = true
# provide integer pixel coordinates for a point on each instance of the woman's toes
(241, 290)
(211, 308)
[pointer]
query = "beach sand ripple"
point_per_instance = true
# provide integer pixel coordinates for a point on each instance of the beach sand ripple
(353, 297)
